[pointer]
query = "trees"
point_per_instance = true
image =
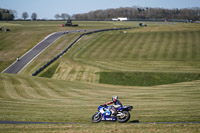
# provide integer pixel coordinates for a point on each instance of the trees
(138, 13)
(14, 13)
(57, 16)
(64, 16)
(34, 16)
(6, 15)
(24, 15)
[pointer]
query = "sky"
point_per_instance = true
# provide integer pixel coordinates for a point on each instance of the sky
(46, 9)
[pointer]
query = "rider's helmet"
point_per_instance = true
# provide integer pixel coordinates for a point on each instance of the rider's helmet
(115, 98)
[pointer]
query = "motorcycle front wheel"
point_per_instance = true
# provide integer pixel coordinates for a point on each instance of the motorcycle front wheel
(96, 117)
(124, 118)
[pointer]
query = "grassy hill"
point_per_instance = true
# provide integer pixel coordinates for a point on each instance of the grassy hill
(158, 51)
(26, 34)
(41, 99)
(72, 91)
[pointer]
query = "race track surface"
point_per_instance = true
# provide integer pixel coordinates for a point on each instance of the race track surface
(17, 66)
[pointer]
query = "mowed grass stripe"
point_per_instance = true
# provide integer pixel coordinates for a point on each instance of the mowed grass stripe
(120, 46)
(105, 47)
(139, 44)
(195, 45)
(128, 49)
(29, 89)
(47, 89)
(2, 91)
(51, 90)
(144, 49)
(155, 43)
(177, 45)
(91, 48)
(92, 52)
(9, 89)
(59, 91)
(123, 49)
(161, 46)
(18, 88)
(198, 47)
(180, 48)
(134, 41)
(171, 46)
(150, 47)
(34, 84)
(110, 44)
(188, 51)
(158, 46)
(173, 102)
(113, 52)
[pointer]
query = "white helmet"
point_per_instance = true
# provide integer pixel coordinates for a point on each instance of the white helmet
(114, 98)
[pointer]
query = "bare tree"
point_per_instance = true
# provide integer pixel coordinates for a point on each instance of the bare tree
(34, 16)
(65, 16)
(25, 15)
(57, 16)
(14, 12)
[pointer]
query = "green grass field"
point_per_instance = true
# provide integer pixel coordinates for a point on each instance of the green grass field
(41, 99)
(72, 91)
(164, 46)
(145, 78)
(25, 34)
(166, 49)
(103, 128)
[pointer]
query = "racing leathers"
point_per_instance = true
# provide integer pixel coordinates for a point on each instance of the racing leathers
(116, 105)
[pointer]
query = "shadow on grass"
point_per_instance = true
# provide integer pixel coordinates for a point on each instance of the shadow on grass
(134, 121)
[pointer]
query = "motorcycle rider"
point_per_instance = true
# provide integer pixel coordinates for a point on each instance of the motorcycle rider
(116, 105)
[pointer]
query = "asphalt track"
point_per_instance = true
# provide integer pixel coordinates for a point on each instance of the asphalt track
(17, 66)
(130, 122)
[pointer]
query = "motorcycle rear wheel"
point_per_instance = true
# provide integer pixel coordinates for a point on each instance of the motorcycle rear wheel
(124, 118)
(96, 118)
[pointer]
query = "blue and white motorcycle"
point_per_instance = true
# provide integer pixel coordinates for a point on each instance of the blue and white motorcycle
(104, 114)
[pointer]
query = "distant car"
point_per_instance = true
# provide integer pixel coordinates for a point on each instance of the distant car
(142, 25)
(65, 32)
(78, 30)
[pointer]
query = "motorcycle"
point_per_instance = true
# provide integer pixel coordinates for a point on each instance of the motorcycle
(104, 114)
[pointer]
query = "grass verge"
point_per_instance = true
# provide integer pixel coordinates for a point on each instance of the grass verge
(103, 128)
(24, 98)
(50, 71)
(145, 78)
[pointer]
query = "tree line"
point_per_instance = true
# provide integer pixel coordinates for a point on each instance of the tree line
(33, 16)
(141, 13)
(6, 14)
(132, 13)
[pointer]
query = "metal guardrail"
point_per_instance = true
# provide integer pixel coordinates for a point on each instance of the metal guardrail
(62, 53)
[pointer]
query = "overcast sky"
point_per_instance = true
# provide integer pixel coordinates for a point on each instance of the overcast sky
(48, 8)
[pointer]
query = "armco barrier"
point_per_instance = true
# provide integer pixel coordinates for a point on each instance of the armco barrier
(58, 56)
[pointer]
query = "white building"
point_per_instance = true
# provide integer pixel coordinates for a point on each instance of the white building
(120, 19)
